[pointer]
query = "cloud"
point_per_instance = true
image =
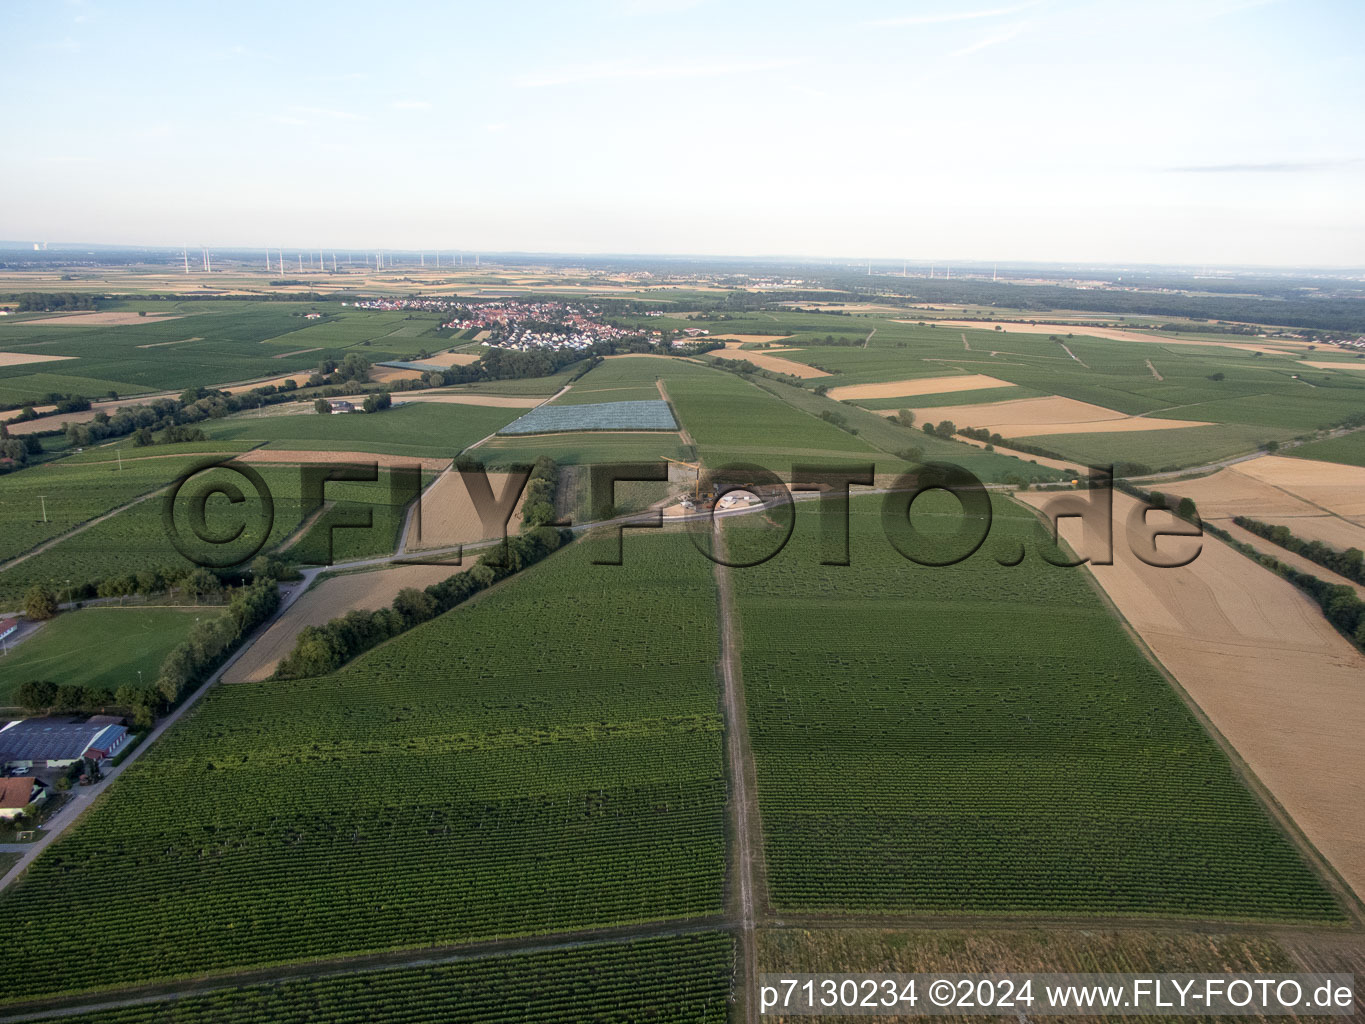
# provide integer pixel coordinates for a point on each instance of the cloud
(410, 105)
(648, 7)
(327, 113)
(990, 40)
(945, 17)
(612, 71)
(1269, 166)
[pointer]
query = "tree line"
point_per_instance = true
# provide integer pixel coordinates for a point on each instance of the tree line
(321, 650)
(208, 645)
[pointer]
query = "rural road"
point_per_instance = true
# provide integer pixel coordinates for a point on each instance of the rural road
(743, 811)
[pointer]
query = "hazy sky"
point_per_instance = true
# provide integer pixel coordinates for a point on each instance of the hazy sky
(1196, 131)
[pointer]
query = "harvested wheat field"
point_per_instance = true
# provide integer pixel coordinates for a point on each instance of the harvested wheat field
(774, 363)
(745, 339)
(1112, 333)
(1334, 531)
(448, 517)
(1273, 676)
(452, 359)
(51, 422)
(918, 386)
(1322, 364)
(21, 358)
(237, 389)
(1337, 488)
(1289, 558)
(10, 414)
(1026, 417)
(385, 374)
(293, 457)
(111, 319)
(326, 601)
(1272, 487)
(496, 401)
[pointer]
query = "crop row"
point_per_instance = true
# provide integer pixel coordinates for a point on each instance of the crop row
(448, 786)
(679, 980)
(986, 738)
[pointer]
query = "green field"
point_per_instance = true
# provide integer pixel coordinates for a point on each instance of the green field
(985, 739)
(203, 343)
(136, 539)
(99, 648)
(1159, 449)
(682, 980)
(419, 429)
(446, 787)
(1349, 449)
(583, 448)
(42, 502)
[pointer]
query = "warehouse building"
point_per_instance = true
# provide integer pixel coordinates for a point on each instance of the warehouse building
(49, 743)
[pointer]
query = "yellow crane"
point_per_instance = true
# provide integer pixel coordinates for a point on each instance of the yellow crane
(696, 467)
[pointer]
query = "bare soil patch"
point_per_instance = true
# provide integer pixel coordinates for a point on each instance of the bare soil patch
(770, 362)
(452, 358)
(332, 598)
(448, 515)
(1029, 417)
(22, 358)
(96, 319)
(10, 414)
(384, 374)
(297, 378)
(1273, 676)
(1112, 333)
(920, 386)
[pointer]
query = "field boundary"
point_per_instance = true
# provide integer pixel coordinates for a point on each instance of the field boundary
(1350, 903)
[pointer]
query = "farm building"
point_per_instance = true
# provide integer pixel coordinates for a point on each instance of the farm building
(8, 627)
(16, 794)
(43, 742)
(340, 405)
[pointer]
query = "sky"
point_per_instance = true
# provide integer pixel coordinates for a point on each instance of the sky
(1204, 132)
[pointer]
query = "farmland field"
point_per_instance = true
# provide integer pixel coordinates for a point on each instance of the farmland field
(135, 539)
(453, 785)
(70, 494)
(650, 414)
(203, 343)
(986, 739)
(681, 980)
(426, 429)
(99, 648)
(1348, 449)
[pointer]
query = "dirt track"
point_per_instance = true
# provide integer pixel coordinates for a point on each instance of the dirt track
(1273, 676)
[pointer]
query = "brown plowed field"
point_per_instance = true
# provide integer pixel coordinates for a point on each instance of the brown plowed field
(449, 517)
(327, 601)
